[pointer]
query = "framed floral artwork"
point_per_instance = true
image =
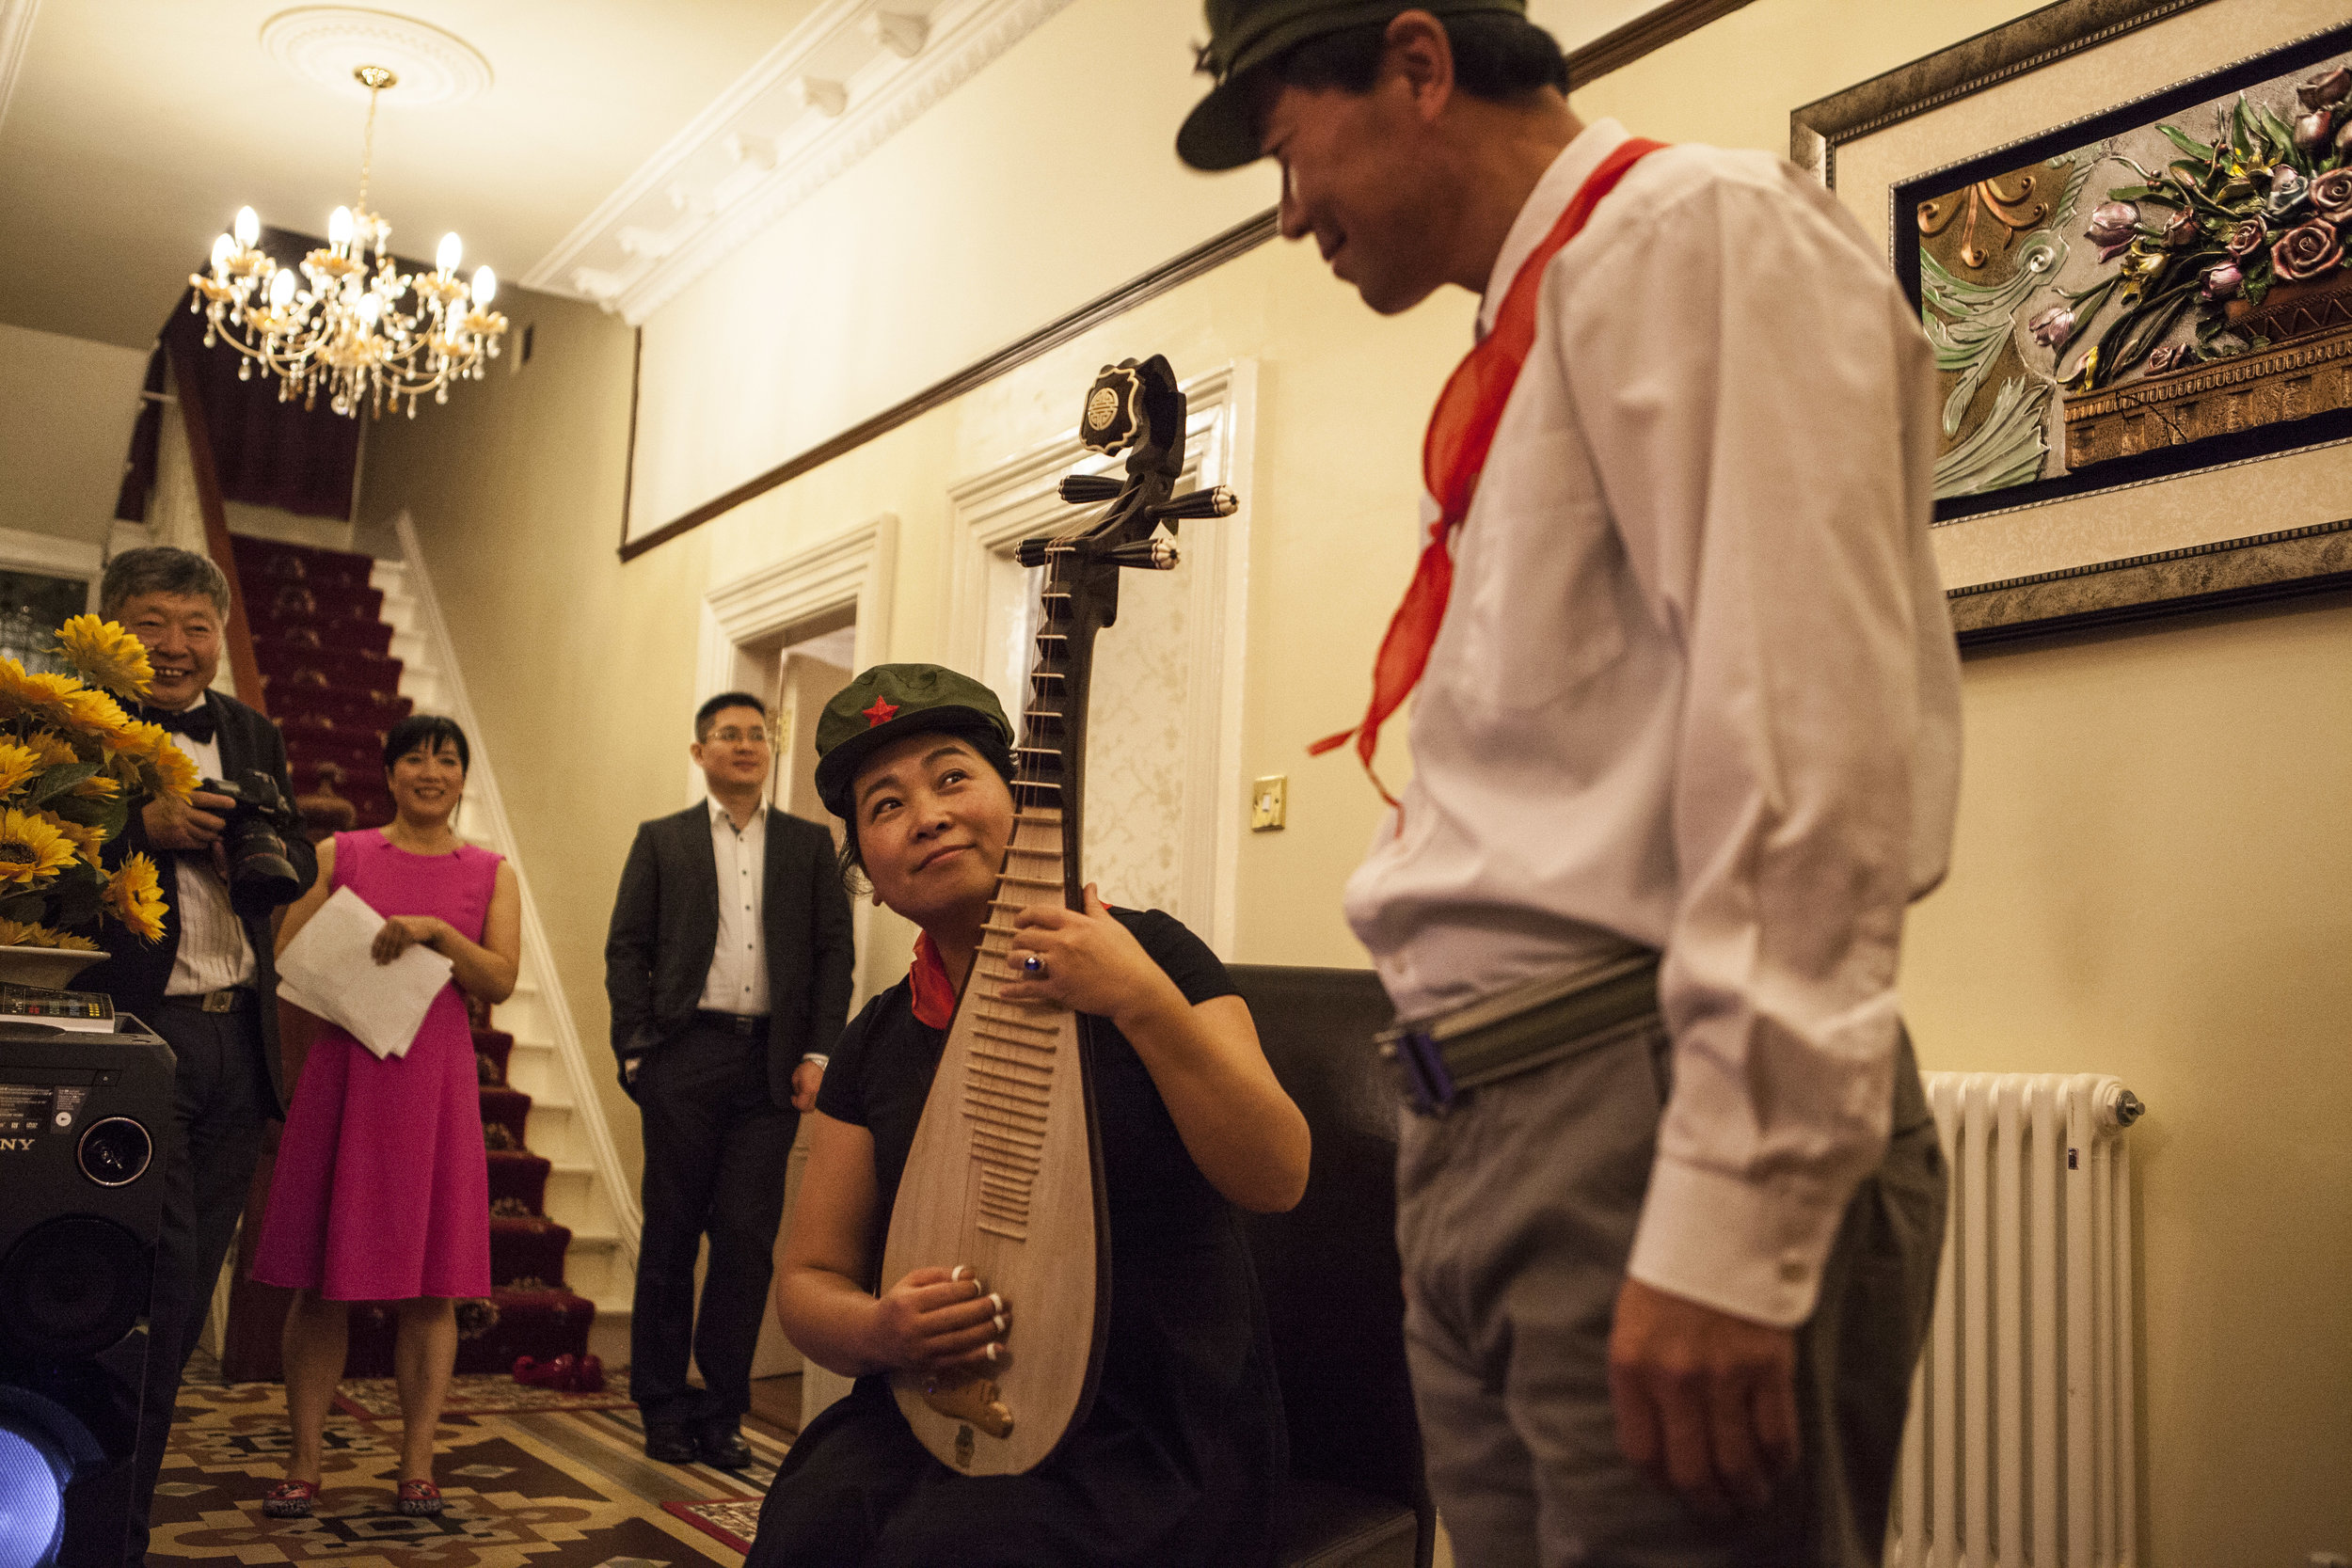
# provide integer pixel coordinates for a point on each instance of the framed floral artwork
(2127, 225)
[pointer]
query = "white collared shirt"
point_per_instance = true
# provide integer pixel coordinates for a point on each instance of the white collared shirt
(1697, 689)
(215, 952)
(738, 982)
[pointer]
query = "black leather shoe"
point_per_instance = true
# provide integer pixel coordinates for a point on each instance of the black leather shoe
(670, 1443)
(722, 1446)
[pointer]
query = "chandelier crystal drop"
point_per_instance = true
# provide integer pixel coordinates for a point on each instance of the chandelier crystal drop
(361, 330)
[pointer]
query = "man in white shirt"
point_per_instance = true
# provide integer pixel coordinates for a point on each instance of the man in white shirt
(1670, 1201)
(728, 971)
(210, 985)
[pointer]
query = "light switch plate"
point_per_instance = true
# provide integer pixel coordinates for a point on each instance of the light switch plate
(1268, 802)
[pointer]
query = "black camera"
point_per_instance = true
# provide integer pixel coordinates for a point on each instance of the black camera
(261, 873)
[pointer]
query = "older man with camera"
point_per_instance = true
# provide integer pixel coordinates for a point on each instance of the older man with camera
(228, 859)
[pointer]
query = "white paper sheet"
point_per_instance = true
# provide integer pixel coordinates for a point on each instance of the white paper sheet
(327, 969)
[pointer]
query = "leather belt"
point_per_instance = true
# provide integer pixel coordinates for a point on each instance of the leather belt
(225, 1001)
(1440, 1057)
(739, 1024)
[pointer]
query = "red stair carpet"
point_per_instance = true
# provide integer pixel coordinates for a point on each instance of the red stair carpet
(333, 687)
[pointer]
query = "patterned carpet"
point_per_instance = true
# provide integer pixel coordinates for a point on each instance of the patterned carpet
(525, 1489)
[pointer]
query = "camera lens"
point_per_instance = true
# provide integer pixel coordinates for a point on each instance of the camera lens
(116, 1152)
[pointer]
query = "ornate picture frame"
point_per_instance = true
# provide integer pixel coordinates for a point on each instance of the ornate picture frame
(1986, 167)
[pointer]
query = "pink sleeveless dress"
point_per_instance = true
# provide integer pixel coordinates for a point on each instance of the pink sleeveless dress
(382, 1188)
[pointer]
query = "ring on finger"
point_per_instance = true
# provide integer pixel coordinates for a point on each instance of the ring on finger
(1032, 966)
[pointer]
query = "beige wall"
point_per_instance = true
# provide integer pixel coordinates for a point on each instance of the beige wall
(67, 406)
(2151, 864)
(580, 672)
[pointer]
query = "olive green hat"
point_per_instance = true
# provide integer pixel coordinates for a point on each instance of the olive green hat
(893, 700)
(1246, 34)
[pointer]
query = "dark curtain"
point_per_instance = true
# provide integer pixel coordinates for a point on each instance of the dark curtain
(267, 452)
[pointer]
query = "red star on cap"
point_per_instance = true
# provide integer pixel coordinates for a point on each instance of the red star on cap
(881, 713)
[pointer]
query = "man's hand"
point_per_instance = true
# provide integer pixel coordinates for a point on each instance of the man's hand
(194, 823)
(806, 1079)
(1706, 1403)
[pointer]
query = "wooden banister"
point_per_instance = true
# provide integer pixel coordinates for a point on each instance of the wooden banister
(242, 668)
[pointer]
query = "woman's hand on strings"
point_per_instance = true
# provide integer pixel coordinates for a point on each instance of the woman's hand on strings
(938, 1318)
(1092, 964)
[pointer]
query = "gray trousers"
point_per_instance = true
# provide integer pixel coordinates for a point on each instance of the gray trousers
(1516, 1214)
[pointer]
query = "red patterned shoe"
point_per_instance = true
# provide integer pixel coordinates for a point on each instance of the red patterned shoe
(557, 1374)
(290, 1499)
(588, 1378)
(420, 1500)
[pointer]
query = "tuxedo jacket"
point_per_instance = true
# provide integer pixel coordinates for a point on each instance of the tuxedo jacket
(665, 931)
(135, 971)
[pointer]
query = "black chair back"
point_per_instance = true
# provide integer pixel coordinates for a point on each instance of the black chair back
(1329, 1268)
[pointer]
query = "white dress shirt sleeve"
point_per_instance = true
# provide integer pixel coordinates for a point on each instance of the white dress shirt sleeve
(1734, 362)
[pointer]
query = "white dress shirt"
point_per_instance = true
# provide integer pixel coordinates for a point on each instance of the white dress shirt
(738, 982)
(215, 952)
(1697, 689)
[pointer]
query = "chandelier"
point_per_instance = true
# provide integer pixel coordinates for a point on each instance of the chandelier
(353, 324)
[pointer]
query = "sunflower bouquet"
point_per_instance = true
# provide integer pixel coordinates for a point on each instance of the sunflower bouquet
(74, 766)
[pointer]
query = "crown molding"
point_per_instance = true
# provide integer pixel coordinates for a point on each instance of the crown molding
(16, 40)
(848, 78)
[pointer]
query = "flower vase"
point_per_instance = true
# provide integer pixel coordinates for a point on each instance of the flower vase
(45, 968)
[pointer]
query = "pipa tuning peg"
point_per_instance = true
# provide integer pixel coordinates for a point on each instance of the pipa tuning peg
(1216, 501)
(1086, 489)
(1032, 552)
(1153, 555)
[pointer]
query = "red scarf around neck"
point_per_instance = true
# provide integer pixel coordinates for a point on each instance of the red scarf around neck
(1461, 433)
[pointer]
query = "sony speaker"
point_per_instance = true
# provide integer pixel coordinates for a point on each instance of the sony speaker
(84, 1127)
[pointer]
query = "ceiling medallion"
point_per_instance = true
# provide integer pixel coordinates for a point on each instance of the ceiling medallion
(348, 332)
(329, 43)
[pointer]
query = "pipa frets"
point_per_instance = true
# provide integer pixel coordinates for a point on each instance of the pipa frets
(1005, 1174)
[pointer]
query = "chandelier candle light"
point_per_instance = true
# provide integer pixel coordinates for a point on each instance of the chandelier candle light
(346, 332)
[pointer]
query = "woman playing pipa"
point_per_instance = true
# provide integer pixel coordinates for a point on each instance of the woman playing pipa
(1175, 1459)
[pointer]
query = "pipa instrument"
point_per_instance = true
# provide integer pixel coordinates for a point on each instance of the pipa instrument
(1004, 1173)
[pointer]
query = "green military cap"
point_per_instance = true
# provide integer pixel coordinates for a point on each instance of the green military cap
(1246, 34)
(893, 700)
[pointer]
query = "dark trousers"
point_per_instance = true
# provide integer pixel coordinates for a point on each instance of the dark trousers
(221, 1104)
(716, 1152)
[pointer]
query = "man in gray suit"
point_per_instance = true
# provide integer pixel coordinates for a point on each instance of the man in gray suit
(728, 969)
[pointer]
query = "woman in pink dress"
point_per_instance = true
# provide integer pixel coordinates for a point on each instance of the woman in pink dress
(382, 1189)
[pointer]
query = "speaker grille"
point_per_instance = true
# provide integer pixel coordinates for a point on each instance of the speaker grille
(72, 1286)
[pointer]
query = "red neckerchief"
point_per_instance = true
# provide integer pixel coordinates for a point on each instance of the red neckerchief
(934, 996)
(1461, 433)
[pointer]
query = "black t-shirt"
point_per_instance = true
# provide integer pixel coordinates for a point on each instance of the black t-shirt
(1187, 1430)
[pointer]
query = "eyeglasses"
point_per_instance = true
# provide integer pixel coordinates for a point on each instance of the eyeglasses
(733, 736)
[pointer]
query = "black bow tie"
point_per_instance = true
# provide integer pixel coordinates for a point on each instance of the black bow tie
(196, 723)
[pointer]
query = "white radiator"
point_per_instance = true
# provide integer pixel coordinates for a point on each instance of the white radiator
(2020, 1450)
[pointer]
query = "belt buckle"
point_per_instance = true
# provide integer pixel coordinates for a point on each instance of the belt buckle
(220, 1000)
(1429, 1086)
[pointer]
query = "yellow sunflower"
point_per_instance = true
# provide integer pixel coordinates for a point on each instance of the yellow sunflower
(41, 696)
(17, 933)
(135, 897)
(98, 787)
(19, 765)
(89, 841)
(143, 754)
(54, 750)
(31, 849)
(93, 712)
(106, 653)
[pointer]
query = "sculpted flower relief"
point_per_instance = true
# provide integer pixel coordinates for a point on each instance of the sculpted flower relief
(2307, 252)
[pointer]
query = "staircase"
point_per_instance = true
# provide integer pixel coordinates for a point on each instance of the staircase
(344, 654)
